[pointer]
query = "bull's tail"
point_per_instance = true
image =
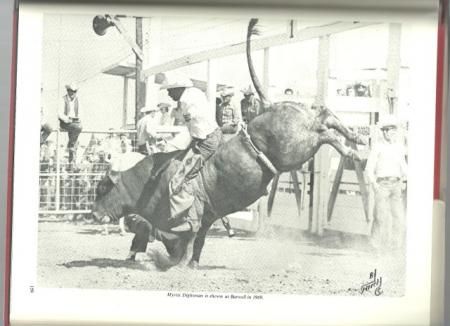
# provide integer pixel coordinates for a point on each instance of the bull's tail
(259, 89)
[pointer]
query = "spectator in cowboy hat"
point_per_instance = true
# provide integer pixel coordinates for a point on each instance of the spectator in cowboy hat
(250, 106)
(206, 138)
(111, 144)
(288, 96)
(69, 118)
(166, 118)
(288, 92)
(146, 131)
(125, 143)
(227, 116)
(387, 170)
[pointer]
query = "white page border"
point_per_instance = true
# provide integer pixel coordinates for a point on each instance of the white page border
(144, 307)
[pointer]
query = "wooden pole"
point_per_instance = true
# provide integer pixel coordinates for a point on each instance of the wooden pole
(393, 66)
(321, 187)
(266, 68)
(320, 180)
(137, 49)
(140, 77)
(125, 102)
(316, 194)
(297, 192)
(58, 171)
(322, 69)
(273, 191)
(211, 86)
(361, 182)
(311, 168)
(335, 188)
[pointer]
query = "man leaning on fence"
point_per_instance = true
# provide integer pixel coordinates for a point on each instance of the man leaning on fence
(69, 118)
(146, 131)
(386, 171)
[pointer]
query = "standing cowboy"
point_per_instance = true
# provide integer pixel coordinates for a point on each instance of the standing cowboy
(146, 134)
(250, 106)
(166, 118)
(227, 116)
(386, 171)
(69, 118)
(206, 136)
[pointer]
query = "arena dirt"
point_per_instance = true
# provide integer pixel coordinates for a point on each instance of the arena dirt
(79, 256)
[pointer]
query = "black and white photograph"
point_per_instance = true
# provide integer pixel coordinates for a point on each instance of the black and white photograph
(246, 159)
(224, 155)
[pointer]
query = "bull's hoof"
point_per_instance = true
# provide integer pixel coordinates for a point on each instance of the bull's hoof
(231, 233)
(193, 264)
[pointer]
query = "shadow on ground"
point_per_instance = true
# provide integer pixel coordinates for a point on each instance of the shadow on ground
(104, 263)
(97, 232)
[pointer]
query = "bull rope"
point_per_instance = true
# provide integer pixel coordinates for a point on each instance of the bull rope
(260, 155)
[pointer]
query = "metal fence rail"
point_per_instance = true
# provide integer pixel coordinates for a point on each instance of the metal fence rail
(69, 188)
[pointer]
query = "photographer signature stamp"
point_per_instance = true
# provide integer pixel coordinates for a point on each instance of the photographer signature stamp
(374, 284)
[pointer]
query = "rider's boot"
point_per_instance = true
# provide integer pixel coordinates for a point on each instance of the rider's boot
(191, 222)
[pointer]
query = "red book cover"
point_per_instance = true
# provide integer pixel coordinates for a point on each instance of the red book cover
(316, 228)
(440, 94)
(10, 155)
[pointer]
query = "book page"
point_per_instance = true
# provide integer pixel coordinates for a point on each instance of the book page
(313, 204)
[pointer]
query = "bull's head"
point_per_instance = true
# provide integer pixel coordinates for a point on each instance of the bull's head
(112, 200)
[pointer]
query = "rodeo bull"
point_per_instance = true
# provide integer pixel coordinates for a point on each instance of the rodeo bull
(121, 195)
(281, 139)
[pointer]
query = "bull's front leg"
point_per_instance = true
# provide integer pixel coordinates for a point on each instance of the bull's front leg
(333, 122)
(332, 139)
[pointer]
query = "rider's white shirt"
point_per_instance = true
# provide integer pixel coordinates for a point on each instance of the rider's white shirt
(203, 118)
